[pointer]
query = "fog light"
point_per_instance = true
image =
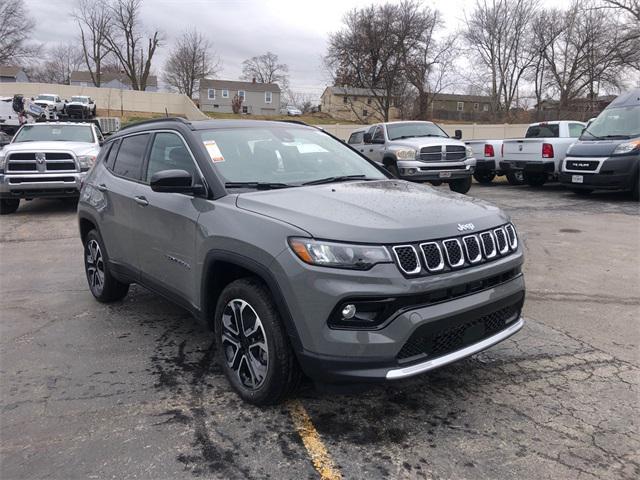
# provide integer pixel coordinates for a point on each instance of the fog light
(412, 171)
(348, 311)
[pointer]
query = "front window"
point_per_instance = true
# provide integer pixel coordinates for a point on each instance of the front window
(46, 98)
(619, 122)
(267, 97)
(211, 93)
(241, 94)
(225, 93)
(80, 99)
(55, 133)
(460, 106)
(397, 131)
(285, 155)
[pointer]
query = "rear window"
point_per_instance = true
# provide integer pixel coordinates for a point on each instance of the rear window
(543, 131)
(130, 157)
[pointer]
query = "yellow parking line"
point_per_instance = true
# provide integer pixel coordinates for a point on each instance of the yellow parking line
(313, 443)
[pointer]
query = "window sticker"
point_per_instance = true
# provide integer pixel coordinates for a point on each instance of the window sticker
(214, 151)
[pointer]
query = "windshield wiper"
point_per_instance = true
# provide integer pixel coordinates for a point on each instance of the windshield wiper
(339, 178)
(258, 185)
(620, 137)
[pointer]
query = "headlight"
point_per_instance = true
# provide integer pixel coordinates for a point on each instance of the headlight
(406, 154)
(86, 161)
(340, 255)
(469, 152)
(627, 147)
(3, 160)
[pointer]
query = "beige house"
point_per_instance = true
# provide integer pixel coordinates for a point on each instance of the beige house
(353, 104)
(258, 98)
(452, 102)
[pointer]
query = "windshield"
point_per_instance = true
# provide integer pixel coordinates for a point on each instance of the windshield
(543, 130)
(282, 155)
(47, 98)
(396, 131)
(54, 133)
(80, 99)
(618, 122)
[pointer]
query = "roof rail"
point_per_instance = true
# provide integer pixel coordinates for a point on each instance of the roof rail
(156, 120)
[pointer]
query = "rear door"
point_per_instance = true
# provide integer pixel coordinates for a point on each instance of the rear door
(119, 183)
(166, 223)
(375, 150)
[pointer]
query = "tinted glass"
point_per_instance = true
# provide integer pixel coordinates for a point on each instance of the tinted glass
(575, 129)
(130, 156)
(111, 157)
(618, 122)
(169, 153)
(55, 133)
(396, 131)
(356, 137)
(290, 155)
(379, 134)
(545, 130)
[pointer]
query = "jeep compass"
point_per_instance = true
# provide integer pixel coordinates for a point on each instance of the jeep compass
(304, 256)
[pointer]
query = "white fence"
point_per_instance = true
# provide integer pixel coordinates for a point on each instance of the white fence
(469, 131)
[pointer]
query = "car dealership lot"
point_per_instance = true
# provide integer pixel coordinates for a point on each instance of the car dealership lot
(128, 390)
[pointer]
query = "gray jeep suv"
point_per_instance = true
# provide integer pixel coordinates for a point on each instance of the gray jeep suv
(303, 255)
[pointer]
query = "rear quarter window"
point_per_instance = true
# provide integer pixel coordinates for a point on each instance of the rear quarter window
(543, 131)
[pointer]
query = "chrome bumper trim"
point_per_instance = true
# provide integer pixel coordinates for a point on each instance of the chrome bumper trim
(434, 363)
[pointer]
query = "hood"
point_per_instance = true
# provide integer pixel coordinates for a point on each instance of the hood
(387, 211)
(595, 148)
(79, 148)
(420, 142)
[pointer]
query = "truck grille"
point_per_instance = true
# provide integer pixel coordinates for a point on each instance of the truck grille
(456, 152)
(53, 162)
(441, 152)
(431, 342)
(453, 253)
(586, 165)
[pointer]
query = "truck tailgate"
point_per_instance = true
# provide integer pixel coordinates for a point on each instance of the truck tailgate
(526, 149)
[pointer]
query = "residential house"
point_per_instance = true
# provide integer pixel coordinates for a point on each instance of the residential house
(469, 104)
(110, 80)
(257, 98)
(12, 75)
(354, 104)
(597, 104)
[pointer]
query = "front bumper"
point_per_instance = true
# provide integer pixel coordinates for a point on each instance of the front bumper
(611, 173)
(54, 185)
(335, 355)
(529, 167)
(414, 170)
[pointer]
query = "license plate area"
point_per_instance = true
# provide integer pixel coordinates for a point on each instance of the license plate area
(445, 175)
(577, 179)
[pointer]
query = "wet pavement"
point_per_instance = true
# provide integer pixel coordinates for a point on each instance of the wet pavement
(128, 390)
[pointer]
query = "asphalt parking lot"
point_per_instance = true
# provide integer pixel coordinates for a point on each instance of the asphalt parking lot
(128, 390)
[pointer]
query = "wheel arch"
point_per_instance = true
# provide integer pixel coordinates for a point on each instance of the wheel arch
(222, 267)
(86, 223)
(389, 160)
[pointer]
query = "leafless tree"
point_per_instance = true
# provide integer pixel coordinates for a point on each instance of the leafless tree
(60, 61)
(15, 30)
(632, 7)
(371, 50)
(302, 101)
(94, 21)
(128, 44)
(266, 69)
(191, 59)
(629, 48)
(497, 32)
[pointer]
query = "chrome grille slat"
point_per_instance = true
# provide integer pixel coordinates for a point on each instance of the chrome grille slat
(453, 251)
(488, 245)
(501, 240)
(432, 256)
(472, 248)
(511, 234)
(407, 259)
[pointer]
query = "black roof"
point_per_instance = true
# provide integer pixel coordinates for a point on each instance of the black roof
(628, 99)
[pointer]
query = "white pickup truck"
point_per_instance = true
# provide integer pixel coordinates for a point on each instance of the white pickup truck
(54, 103)
(540, 153)
(488, 155)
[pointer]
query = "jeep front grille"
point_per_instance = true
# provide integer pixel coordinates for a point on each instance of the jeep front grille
(453, 253)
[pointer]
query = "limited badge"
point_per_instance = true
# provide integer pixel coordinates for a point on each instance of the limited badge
(213, 150)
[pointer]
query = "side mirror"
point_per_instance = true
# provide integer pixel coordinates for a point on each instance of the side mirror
(367, 138)
(458, 134)
(174, 181)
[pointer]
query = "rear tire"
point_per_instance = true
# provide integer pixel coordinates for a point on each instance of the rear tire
(535, 179)
(461, 185)
(252, 345)
(9, 205)
(103, 285)
(484, 178)
(515, 178)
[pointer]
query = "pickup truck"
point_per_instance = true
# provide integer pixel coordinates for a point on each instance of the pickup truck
(81, 106)
(48, 159)
(607, 154)
(488, 155)
(540, 153)
(53, 102)
(417, 151)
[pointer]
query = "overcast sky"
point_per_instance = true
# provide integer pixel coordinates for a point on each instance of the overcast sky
(295, 30)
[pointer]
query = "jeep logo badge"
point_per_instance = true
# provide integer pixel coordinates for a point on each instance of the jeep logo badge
(466, 226)
(40, 158)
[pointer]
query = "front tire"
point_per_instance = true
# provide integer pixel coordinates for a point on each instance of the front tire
(393, 169)
(535, 179)
(484, 178)
(253, 347)
(461, 185)
(103, 285)
(515, 178)
(9, 205)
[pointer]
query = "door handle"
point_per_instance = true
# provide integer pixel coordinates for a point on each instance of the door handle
(141, 201)
(371, 149)
(102, 187)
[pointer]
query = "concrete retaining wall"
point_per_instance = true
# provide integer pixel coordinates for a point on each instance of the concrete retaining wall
(469, 131)
(112, 100)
